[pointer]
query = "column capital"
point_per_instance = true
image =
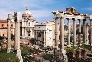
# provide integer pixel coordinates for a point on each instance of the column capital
(61, 17)
(10, 16)
(79, 19)
(90, 19)
(16, 16)
(90, 16)
(74, 19)
(68, 18)
(84, 19)
(56, 18)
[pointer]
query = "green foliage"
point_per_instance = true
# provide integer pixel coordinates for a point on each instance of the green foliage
(3, 51)
(25, 51)
(47, 56)
(69, 49)
(88, 47)
(72, 48)
(8, 57)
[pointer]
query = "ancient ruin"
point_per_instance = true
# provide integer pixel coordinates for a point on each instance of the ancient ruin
(72, 14)
(17, 34)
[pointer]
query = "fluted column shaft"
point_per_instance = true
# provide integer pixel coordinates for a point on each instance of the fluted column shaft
(91, 32)
(74, 31)
(62, 33)
(87, 41)
(18, 33)
(68, 31)
(84, 31)
(9, 33)
(79, 32)
(16, 15)
(16, 39)
(34, 34)
(56, 33)
(44, 38)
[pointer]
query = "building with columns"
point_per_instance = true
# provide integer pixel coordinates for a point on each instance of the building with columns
(27, 24)
(53, 28)
(72, 14)
(43, 34)
(39, 29)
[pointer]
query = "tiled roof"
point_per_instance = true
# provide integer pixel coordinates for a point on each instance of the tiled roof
(3, 21)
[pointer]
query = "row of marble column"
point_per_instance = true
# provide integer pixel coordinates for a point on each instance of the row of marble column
(85, 32)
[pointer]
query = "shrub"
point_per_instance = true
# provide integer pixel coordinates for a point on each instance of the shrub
(47, 56)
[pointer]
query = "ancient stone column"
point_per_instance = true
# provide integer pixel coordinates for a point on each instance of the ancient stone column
(87, 41)
(63, 52)
(9, 32)
(62, 33)
(79, 39)
(16, 39)
(16, 15)
(84, 31)
(41, 36)
(24, 31)
(90, 32)
(68, 31)
(56, 33)
(34, 34)
(74, 31)
(44, 38)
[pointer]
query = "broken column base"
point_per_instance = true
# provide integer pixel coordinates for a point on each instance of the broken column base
(8, 50)
(19, 55)
(75, 45)
(68, 45)
(87, 43)
(64, 55)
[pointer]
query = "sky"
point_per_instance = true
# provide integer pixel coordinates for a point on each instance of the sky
(42, 9)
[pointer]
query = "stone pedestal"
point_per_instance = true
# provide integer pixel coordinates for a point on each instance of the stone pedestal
(19, 55)
(65, 58)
